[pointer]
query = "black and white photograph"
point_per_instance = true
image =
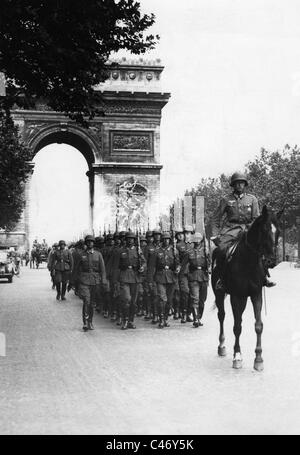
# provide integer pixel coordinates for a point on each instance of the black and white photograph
(149, 220)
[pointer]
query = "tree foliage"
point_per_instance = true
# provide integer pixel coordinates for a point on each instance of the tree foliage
(56, 49)
(14, 157)
(274, 177)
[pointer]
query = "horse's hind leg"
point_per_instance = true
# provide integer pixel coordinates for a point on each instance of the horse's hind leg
(257, 306)
(238, 305)
(221, 316)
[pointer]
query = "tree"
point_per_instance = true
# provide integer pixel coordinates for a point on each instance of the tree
(56, 50)
(274, 177)
(14, 157)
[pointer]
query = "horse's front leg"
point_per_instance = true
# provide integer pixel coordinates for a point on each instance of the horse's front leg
(220, 296)
(257, 306)
(238, 305)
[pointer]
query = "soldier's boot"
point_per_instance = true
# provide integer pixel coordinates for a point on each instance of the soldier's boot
(161, 321)
(131, 325)
(58, 291)
(125, 324)
(183, 317)
(63, 291)
(85, 316)
(166, 324)
(147, 316)
(140, 306)
(90, 319)
(196, 322)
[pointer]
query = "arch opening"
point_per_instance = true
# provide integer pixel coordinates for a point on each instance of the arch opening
(59, 202)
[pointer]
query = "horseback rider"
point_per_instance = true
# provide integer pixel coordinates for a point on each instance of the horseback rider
(234, 215)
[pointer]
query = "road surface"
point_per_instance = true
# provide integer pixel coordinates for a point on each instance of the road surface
(56, 379)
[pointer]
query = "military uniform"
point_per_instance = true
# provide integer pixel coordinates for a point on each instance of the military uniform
(197, 262)
(128, 264)
(62, 265)
(166, 270)
(151, 252)
(90, 270)
(235, 213)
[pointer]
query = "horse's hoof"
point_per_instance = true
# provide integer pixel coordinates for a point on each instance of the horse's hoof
(237, 364)
(258, 366)
(222, 351)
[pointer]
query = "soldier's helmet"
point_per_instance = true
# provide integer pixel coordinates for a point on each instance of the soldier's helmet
(89, 238)
(143, 238)
(130, 235)
(55, 245)
(178, 232)
(188, 228)
(61, 242)
(166, 235)
(238, 176)
(109, 237)
(149, 234)
(197, 237)
(156, 232)
(122, 234)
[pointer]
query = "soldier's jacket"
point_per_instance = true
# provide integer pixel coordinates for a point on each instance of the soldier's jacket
(150, 258)
(110, 259)
(234, 210)
(90, 268)
(197, 262)
(183, 249)
(166, 263)
(106, 253)
(127, 263)
(61, 260)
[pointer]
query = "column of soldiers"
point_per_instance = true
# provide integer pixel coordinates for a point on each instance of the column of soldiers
(127, 275)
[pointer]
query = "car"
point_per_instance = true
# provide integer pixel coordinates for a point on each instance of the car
(6, 265)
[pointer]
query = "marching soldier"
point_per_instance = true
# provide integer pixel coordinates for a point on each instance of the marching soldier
(148, 284)
(234, 215)
(197, 262)
(128, 266)
(49, 263)
(141, 294)
(151, 269)
(62, 265)
(167, 268)
(107, 257)
(184, 246)
(90, 270)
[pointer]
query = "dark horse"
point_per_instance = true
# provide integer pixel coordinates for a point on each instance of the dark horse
(244, 277)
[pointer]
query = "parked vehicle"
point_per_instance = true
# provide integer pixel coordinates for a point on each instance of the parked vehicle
(7, 269)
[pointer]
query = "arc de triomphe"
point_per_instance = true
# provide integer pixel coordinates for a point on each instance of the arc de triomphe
(122, 148)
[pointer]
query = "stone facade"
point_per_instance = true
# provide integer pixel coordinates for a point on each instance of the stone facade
(122, 147)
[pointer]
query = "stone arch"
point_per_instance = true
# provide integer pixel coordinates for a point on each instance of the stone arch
(64, 134)
(39, 136)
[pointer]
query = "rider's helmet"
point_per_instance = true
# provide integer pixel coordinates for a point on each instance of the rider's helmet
(238, 176)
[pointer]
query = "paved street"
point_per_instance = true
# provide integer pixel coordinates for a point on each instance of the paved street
(55, 379)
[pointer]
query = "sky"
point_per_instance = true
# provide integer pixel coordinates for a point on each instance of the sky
(233, 70)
